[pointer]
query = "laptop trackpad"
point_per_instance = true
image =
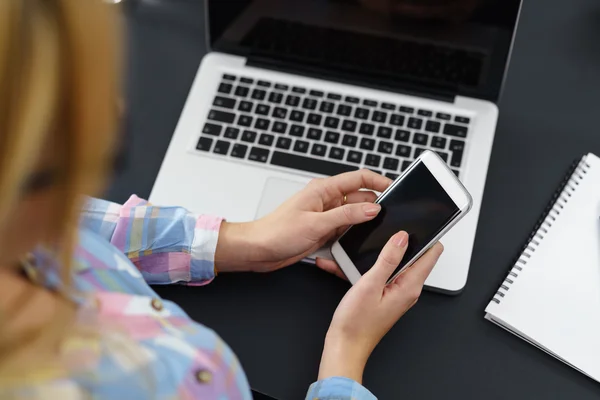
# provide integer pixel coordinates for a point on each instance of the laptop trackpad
(275, 192)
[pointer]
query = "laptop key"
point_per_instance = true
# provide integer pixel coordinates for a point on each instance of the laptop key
(443, 155)
(249, 81)
(349, 125)
(245, 106)
(392, 176)
(221, 147)
(361, 113)
(204, 143)
(326, 107)
(266, 139)
(418, 152)
(245, 120)
(225, 88)
(224, 102)
(258, 94)
(424, 113)
(314, 165)
(258, 154)
(350, 140)
(384, 132)
(408, 110)
(309, 104)
(385, 147)
(314, 119)
(279, 127)
(248, 136)
(314, 134)
(284, 142)
(336, 153)
(370, 103)
(443, 116)
(378, 172)
(263, 109)
(262, 124)
(455, 173)
(373, 160)
(379, 116)
(297, 130)
(264, 84)
(334, 96)
(275, 97)
(212, 129)
(332, 137)
(231, 133)
(457, 147)
(432, 126)
(455, 130)
(420, 139)
(239, 150)
(297, 116)
(242, 91)
(402, 135)
(388, 106)
(391, 163)
(316, 93)
(462, 120)
(366, 129)
(415, 123)
(280, 86)
(344, 110)
(221, 116)
(354, 156)
(318, 149)
(397, 120)
(403, 151)
(332, 122)
(299, 90)
(352, 99)
(405, 165)
(229, 77)
(367, 144)
(438, 142)
(301, 146)
(292, 100)
(279, 112)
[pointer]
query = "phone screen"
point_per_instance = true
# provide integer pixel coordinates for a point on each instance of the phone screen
(417, 204)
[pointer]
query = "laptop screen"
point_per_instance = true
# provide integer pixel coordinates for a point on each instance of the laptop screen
(438, 47)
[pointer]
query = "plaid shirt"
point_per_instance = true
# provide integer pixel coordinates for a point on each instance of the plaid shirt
(148, 347)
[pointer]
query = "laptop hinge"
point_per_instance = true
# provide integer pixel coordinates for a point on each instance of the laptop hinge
(441, 94)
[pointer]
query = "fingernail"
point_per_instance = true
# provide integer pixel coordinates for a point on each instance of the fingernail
(371, 209)
(401, 239)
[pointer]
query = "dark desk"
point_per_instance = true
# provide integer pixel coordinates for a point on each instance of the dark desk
(443, 348)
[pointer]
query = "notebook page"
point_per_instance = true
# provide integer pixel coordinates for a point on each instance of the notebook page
(555, 300)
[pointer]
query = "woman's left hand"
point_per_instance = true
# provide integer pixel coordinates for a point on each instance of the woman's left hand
(304, 223)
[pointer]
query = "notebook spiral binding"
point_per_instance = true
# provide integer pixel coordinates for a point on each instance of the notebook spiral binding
(559, 199)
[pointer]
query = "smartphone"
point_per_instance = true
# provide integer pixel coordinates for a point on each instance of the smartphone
(426, 201)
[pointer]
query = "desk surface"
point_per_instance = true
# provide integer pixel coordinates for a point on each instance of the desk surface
(443, 348)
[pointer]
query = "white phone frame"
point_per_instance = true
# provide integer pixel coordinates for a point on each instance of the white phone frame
(451, 185)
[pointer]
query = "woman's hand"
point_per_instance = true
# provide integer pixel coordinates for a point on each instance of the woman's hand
(301, 225)
(371, 307)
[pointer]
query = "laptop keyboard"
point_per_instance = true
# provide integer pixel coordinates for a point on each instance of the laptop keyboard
(306, 129)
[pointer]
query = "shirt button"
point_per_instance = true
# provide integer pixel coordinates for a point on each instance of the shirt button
(157, 304)
(204, 376)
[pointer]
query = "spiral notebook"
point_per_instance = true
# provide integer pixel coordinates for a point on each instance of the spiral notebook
(551, 296)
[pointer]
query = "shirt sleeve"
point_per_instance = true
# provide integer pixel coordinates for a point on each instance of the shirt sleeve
(167, 244)
(338, 388)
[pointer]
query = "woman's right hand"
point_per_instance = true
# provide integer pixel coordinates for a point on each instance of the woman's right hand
(371, 307)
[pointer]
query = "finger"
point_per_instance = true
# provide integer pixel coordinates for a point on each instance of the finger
(362, 196)
(348, 214)
(349, 182)
(417, 274)
(330, 266)
(388, 259)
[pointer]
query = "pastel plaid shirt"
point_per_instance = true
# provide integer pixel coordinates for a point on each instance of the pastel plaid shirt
(146, 347)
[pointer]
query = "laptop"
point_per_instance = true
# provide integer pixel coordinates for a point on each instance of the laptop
(293, 90)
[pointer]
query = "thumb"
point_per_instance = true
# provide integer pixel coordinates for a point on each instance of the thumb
(388, 260)
(348, 214)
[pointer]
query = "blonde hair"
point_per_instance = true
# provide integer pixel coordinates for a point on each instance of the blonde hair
(58, 76)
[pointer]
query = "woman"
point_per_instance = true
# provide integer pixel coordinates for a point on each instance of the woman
(77, 317)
